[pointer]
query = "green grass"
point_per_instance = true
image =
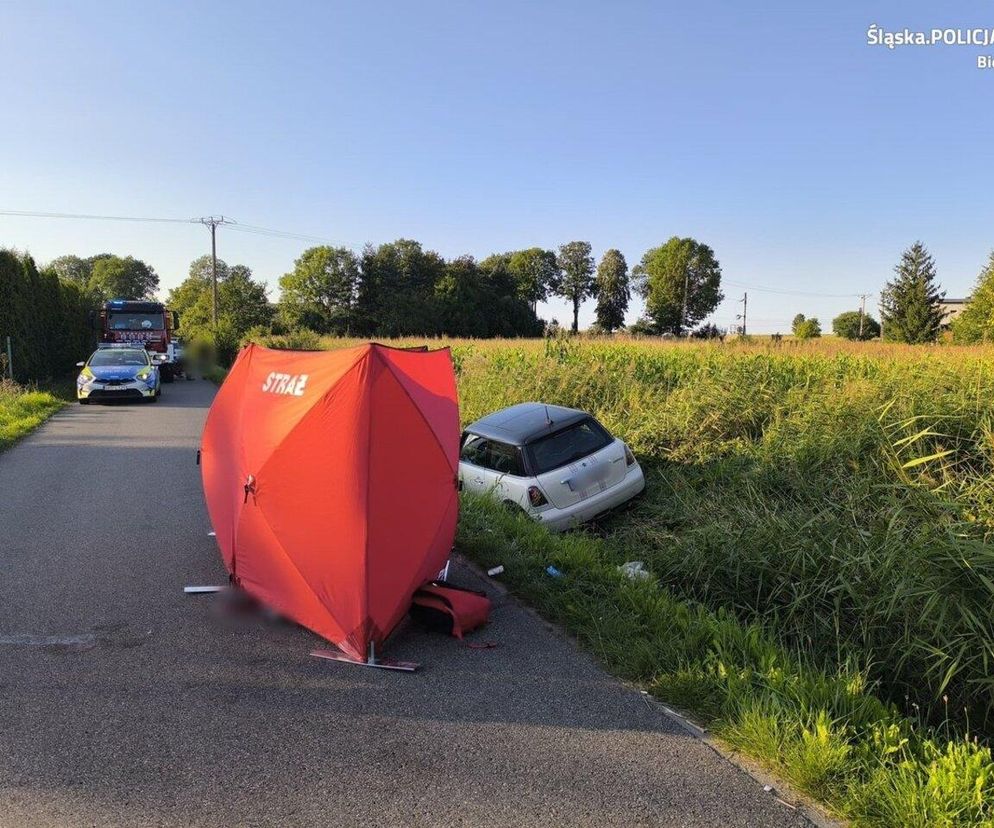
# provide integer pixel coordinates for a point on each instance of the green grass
(22, 410)
(823, 730)
(819, 521)
(215, 373)
(839, 494)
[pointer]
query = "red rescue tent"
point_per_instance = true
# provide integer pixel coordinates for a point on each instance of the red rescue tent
(330, 479)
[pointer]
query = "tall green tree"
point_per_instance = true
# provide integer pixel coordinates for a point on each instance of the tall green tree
(613, 291)
(123, 278)
(201, 268)
(72, 269)
(242, 305)
(681, 283)
(809, 328)
(320, 292)
(45, 317)
(477, 302)
(847, 325)
(577, 282)
(910, 304)
(535, 272)
(396, 294)
(243, 301)
(976, 322)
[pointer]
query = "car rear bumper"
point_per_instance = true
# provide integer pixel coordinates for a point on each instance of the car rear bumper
(559, 520)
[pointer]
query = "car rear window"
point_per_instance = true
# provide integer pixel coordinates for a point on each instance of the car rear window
(567, 446)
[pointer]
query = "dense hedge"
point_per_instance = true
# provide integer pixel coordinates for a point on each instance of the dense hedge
(46, 319)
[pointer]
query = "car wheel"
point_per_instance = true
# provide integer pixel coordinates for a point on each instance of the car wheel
(513, 508)
(83, 401)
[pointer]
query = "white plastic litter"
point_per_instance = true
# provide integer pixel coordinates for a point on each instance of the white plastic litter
(495, 571)
(635, 570)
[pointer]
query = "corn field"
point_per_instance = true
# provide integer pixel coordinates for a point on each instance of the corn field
(840, 493)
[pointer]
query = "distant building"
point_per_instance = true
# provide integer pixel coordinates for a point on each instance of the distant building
(951, 308)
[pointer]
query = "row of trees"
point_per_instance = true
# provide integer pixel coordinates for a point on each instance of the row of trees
(400, 288)
(854, 325)
(911, 307)
(46, 318)
(393, 289)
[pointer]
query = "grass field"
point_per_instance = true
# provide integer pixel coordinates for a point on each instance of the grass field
(22, 410)
(818, 520)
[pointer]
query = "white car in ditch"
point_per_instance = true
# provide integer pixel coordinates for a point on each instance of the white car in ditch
(559, 465)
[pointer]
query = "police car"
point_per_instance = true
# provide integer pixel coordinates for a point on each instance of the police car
(118, 372)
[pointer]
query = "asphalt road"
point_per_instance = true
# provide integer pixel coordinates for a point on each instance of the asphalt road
(124, 702)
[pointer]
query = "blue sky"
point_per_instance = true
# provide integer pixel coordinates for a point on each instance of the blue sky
(807, 159)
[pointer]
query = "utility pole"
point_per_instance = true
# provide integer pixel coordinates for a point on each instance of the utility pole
(742, 316)
(212, 223)
(862, 311)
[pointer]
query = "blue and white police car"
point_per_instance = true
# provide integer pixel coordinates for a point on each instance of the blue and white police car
(118, 372)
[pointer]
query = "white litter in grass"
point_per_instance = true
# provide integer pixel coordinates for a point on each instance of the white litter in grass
(497, 570)
(635, 570)
(767, 788)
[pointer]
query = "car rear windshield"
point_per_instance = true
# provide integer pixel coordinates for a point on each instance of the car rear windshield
(567, 446)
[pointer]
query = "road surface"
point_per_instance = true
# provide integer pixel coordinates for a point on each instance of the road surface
(124, 702)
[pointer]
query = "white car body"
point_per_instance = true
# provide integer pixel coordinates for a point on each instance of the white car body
(514, 456)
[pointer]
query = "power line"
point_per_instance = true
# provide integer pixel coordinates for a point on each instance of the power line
(35, 214)
(280, 234)
(794, 292)
(252, 229)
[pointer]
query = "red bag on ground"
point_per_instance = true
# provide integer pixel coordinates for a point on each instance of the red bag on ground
(451, 608)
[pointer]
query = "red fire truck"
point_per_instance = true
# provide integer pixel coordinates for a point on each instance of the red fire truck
(147, 324)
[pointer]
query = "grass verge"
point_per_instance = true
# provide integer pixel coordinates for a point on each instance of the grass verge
(215, 373)
(22, 410)
(824, 731)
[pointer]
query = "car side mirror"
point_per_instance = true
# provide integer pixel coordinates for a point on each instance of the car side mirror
(80, 364)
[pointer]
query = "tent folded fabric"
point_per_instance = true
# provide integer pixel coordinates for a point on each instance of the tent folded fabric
(330, 480)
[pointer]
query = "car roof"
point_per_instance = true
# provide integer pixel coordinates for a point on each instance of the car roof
(524, 423)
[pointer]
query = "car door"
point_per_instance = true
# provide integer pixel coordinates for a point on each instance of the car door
(473, 472)
(490, 467)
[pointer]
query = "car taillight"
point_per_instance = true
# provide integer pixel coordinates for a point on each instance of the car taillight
(535, 496)
(629, 457)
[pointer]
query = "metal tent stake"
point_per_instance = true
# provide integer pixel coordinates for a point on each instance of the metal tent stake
(371, 660)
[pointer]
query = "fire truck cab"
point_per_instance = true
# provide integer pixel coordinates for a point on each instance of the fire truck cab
(145, 324)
